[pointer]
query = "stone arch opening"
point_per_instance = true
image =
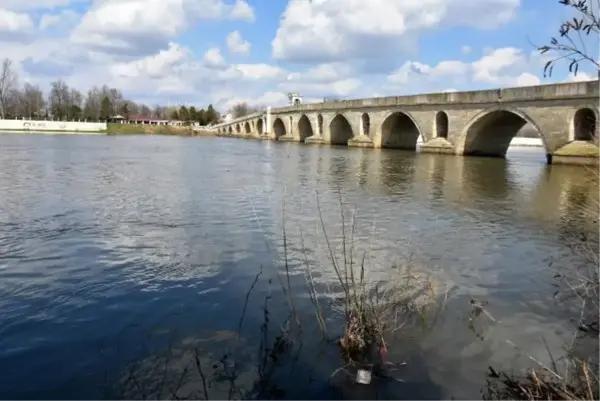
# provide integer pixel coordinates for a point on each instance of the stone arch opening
(238, 128)
(340, 130)
(320, 124)
(304, 128)
(366, 124)
(399, 131)
(278, 128)
(441, 125)
(584, 125)
(247, 128)
(259, 127)
(230, 130)
(490, 135)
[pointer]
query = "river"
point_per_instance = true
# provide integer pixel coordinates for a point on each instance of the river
(120, 251)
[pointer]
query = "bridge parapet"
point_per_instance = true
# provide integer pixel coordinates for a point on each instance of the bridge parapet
(566, 117)
(569, 90)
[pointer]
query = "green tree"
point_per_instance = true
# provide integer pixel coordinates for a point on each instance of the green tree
(184, 114)
(193, 114)
(174, 115)
(124, 110)
(105, 108)
(201, 117)
(211, 115)
(75, 112)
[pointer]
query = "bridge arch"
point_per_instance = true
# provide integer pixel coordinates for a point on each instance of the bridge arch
(365, 121)
(340, 130)
(304, 128)
(399, 131)
(238, 128)
(230, 129)
(441, 125)
(278, 127)
(584, 125)
(259, 126)
(490, 132)
(247, 128)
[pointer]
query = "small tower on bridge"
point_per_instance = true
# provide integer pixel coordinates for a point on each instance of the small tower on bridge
(294, 98)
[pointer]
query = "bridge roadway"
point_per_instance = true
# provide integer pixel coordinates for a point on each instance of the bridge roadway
(476, 123)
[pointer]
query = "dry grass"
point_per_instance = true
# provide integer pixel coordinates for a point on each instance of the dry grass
(541, 384)
(578, 290)
(372, 311)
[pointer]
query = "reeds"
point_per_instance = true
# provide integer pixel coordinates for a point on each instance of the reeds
(578, 290)
(581, 383)
(372, 311)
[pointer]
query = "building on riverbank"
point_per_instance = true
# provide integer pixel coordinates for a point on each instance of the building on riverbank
(138, 119)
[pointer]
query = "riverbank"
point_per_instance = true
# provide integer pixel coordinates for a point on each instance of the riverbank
(134, 129)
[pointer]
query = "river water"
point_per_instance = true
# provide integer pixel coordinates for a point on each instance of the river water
(121, 251)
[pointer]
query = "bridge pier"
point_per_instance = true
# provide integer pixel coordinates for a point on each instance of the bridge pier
(361, 141)
(576, 152)
(481, 123)
(315, 140)
(437, 145)
(287, 138)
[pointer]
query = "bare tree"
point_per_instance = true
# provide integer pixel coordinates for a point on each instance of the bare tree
(8, 83)
(32, 100)
(145, 111)
(58, 100)
(577, 41)
(242, 109)
(75, 109)
(91, 107)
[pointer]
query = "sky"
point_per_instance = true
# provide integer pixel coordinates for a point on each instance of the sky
(221, 52)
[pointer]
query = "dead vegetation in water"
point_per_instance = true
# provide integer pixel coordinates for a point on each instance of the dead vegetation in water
(372, 314)
(580, 383)
(372, 311)
(577, 289)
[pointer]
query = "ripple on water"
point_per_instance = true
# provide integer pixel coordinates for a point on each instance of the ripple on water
(106, 239)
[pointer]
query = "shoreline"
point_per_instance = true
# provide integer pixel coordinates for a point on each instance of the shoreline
(129, 130)
(152, 130)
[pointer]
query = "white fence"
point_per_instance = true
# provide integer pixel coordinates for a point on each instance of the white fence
(37, 125)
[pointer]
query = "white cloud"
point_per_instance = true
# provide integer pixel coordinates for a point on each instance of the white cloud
(498, 67)
(155, 66)
(37, 4)
(580, 77)
(237, 44)
(62, 19)
(144, 26)
(259, 71)
(353, 49)
(322, 73)
(242, 11)
(328, 30)
(448, 68)
(214, 58)
(14, 25)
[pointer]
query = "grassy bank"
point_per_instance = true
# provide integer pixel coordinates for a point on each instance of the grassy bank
(134, 129)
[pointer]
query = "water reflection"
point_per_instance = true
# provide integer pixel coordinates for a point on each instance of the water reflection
(102, 234)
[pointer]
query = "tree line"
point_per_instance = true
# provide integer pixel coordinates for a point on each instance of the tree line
(97, 104)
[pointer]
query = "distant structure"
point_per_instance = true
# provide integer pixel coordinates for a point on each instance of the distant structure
(294, 98)
(328, 99)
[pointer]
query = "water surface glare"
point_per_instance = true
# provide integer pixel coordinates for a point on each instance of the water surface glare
(108, 243)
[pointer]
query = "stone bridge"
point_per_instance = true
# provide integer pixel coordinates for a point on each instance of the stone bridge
(476, 123)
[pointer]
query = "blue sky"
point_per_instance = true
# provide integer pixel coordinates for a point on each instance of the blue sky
(224, 51)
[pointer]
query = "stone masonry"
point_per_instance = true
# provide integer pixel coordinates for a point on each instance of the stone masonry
(461, 123)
